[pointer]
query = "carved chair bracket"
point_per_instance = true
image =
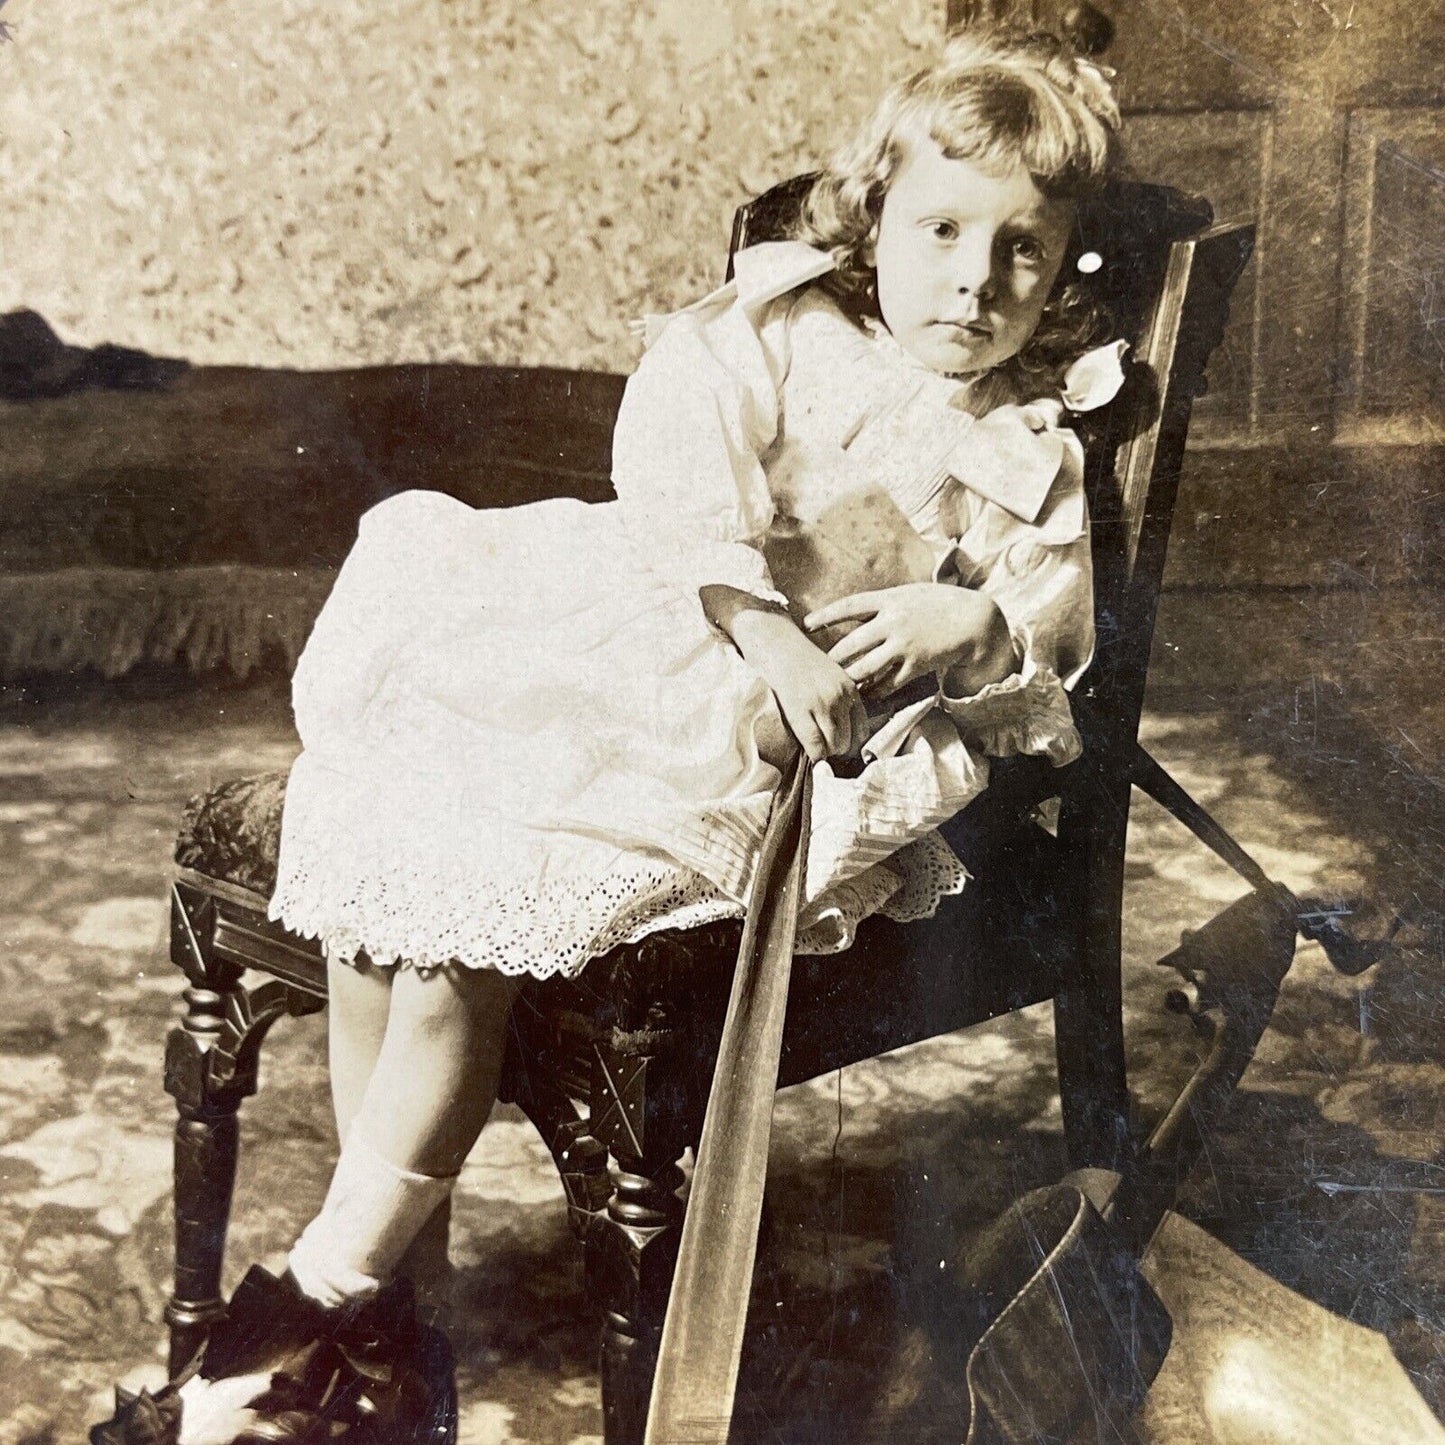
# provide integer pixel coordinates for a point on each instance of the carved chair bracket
(212, 1056)
(193, 928)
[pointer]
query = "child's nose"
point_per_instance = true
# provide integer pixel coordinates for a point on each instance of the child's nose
(972, 268)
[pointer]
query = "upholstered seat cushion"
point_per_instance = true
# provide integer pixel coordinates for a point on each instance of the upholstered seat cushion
(233, 832)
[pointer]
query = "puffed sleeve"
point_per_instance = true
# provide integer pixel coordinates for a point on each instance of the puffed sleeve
(697, 416)
(1040, 575)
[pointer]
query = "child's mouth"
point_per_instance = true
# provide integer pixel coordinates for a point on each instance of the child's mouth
(967, 330)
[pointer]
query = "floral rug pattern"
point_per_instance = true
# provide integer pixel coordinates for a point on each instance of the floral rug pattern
(1329, 1174)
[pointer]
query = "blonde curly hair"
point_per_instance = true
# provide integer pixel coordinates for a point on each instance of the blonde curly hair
(997, 98)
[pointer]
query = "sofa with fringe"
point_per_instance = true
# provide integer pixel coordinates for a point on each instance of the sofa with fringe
(153, 512)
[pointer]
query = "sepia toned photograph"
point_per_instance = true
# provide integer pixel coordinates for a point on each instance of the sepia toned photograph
(722, 723)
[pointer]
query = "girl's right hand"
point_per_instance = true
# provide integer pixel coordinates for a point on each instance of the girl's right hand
(818, 700)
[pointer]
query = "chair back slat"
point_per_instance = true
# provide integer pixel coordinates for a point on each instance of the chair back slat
(771, 216)
(1140, 455)
(1137, 454)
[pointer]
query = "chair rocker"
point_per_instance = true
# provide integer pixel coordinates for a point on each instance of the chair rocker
(614, 1067)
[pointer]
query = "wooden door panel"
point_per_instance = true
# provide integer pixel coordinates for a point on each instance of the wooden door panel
(1393, 271)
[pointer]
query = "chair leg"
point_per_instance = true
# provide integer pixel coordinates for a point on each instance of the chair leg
(580, 1159)
(643, 1118)
(211, 1065)
(1089, 1008)
(633, 1255)
(1089, 1044)
(206, 1148)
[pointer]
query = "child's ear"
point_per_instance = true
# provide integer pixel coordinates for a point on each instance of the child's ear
(869, 252)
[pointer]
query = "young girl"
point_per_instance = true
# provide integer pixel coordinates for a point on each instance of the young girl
(532, 735)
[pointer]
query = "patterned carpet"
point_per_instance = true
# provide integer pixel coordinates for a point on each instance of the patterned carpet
(1328, 1175)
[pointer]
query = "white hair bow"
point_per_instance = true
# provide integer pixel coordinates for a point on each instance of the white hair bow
(1095, 378)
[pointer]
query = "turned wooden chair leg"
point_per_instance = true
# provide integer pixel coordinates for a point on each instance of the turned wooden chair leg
(207, 1130)
(206, 1148)
(211, 1065)
(632, 1255)
(646, 1121)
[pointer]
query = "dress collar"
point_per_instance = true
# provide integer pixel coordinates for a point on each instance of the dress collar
(771, 269)
(761, 274)
(1092, 380)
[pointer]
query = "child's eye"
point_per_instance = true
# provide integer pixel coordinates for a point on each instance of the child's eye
(943, 230)
(1027, 248)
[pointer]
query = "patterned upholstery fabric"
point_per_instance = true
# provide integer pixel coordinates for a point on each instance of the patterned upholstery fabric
(234, 832)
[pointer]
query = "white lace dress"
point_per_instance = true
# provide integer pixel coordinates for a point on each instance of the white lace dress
(524, 744)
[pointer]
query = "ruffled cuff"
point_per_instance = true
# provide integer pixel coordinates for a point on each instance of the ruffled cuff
(1028, 712)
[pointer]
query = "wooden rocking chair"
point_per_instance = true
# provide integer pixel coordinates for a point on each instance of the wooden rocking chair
(614, 1067)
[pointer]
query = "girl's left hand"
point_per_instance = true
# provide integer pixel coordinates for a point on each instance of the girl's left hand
(907, 632)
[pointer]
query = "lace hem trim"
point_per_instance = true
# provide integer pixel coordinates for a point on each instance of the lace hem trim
(413, 920)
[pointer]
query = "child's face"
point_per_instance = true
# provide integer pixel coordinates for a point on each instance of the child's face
(965, 259)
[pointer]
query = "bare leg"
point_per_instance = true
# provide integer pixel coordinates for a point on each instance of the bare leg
(360, 1000)
(435, 1078)
(434, 1046)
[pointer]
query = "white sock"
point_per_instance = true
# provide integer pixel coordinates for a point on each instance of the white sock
(373, 1210)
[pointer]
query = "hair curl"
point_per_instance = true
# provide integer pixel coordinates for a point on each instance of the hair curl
(998, 98)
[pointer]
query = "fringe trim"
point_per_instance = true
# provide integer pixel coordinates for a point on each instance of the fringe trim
(113, 619)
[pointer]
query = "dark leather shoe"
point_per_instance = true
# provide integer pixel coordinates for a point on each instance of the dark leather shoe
(364, 1374)
(409, 1391)
(142, 1419)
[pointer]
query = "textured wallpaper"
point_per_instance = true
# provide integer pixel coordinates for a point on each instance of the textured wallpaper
(321, 183)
